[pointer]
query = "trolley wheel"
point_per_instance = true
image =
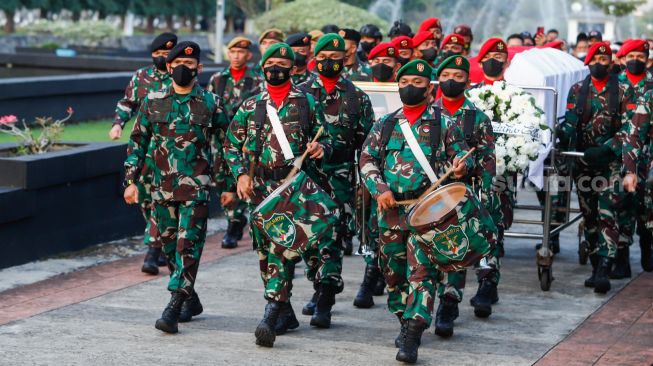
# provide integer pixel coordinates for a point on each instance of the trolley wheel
(583, 252)
(546, 277)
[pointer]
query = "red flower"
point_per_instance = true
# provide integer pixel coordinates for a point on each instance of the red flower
(70, 110)
(9, 119)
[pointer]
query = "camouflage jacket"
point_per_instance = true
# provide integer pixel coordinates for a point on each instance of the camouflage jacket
(179, 131)
(638, 134)
(401, 173)
(298, 79)
(358, 71)
(234, 92)
(145, 80)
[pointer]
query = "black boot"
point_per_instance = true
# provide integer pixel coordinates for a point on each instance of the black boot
(264, 333)
(170, 317)
(408, 350)
(151, 264)
(348, 245)
(379, 286)
(190, 308)
(601, 280)
(402, 331)
(594, 260)
(162, 261)
(445, 315)
(645, 243)
(364, 298)
(326, 298)
(234, 232)
(482, 301)
(309, 308)
(621, 264)
(290, 265)
(287, 320)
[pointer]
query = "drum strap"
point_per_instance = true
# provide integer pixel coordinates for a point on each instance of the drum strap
(469, 118)
(386, 133)
(417, 151)
(278, 131)
(435, 134)
(259, 121)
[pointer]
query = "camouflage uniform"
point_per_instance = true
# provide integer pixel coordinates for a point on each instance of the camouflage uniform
(176, 131)
(298, 79)
(324, 259)
(358, 71)
(144, 81)
(409, 275)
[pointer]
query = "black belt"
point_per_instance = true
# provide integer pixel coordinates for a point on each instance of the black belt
(272, 174)
(409, 195)
(342, 156)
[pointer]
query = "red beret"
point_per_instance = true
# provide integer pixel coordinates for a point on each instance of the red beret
(492, 45)
(453, 38)
(463, 30)
(403, 43)
(430, 23)
(599, 48)
(421, 37)
(633, 45)
(385, 49)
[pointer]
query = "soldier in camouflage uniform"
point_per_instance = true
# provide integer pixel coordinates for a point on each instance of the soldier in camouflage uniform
(349, 117)
(301, 45)
(234, 85)
(148, 79)
(251, 132)
(175, 129)
(355, 69)
(634, 54)
(392, 172)
(267, 39)
(593, 125)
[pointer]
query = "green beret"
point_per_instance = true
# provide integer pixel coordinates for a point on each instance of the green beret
(278, 50)
(416, 67)
(330, 42)
(453, 62)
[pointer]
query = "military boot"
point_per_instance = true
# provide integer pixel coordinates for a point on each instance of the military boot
(408, 350)
(234, 232)
(325, 300)
(170, 318)
(402, 331)
(594, 260)
(265, 334)
(287, 319)
(151, 264)
(347, 244)
(364, 298)
(162, 261)
(621, 267)
(190, 308)
(482, 301)
(379, 286)
(445, 315)
(645, 243)
(601, 280)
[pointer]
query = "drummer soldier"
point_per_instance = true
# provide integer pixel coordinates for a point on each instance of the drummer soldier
(392, 171)
(267, 39)
(593, 125)
(453, 76)
(349, 117)
(235, 84)
(175, 127)
(252, 132)
(151, 78)
(355, 69)
(301, 46)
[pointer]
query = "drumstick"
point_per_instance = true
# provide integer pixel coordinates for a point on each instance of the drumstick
(297, 165)
(436, 184)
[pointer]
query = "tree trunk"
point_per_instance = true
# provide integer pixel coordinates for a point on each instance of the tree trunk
(43, 13)
(193, 23)
(76, 16)
(10, 26)
(170, 22)
(149, 27)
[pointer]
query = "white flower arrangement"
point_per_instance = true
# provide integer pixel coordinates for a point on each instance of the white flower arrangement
(517, 121)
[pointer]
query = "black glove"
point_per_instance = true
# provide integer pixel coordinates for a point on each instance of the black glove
(599, 157)
(649, 180)
(563, 138)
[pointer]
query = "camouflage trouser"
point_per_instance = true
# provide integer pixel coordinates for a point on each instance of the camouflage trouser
(151, 235)
(183, 230)
(634, 214)
(236, 210)
(506, 194)
(600, 197)
(394, 266)
(422, 284)
(373, 235)
(342, 190)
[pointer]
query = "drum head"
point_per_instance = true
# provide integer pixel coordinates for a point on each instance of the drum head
(437, 204)
(279, 189)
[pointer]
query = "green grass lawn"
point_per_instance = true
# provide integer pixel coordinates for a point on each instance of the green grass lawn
(82, 131)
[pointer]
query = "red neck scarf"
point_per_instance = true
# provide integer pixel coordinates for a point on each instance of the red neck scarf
(278, 93)
(453, 105)
(600, 84)
(490, 82)
(237, 74)
(329, 83)
(635, 79)
(413, 113)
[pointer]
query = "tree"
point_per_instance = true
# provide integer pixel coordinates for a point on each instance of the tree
(618, 8)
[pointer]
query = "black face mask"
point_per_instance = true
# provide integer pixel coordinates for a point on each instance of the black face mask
(276, 75)
(429, 54)
(492, 67)
(160, 63)
(452, 88)
(403, 60)
(382, 72)
(412, 95)
(367, 46)
(330, 68)
(300, 60)
(599, 71)
(183, 75)
(636, 67)
(446, 54)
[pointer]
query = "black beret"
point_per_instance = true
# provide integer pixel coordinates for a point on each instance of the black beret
(164, 41)
(299, 40)
(350, 34)
(184, 49)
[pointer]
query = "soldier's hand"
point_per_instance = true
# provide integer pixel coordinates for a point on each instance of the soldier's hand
(244, 187)
(386, 201)
(227, 199)
(131, 194)
(116, 132)
(459, 168)
(630, 182)
(315, 150)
